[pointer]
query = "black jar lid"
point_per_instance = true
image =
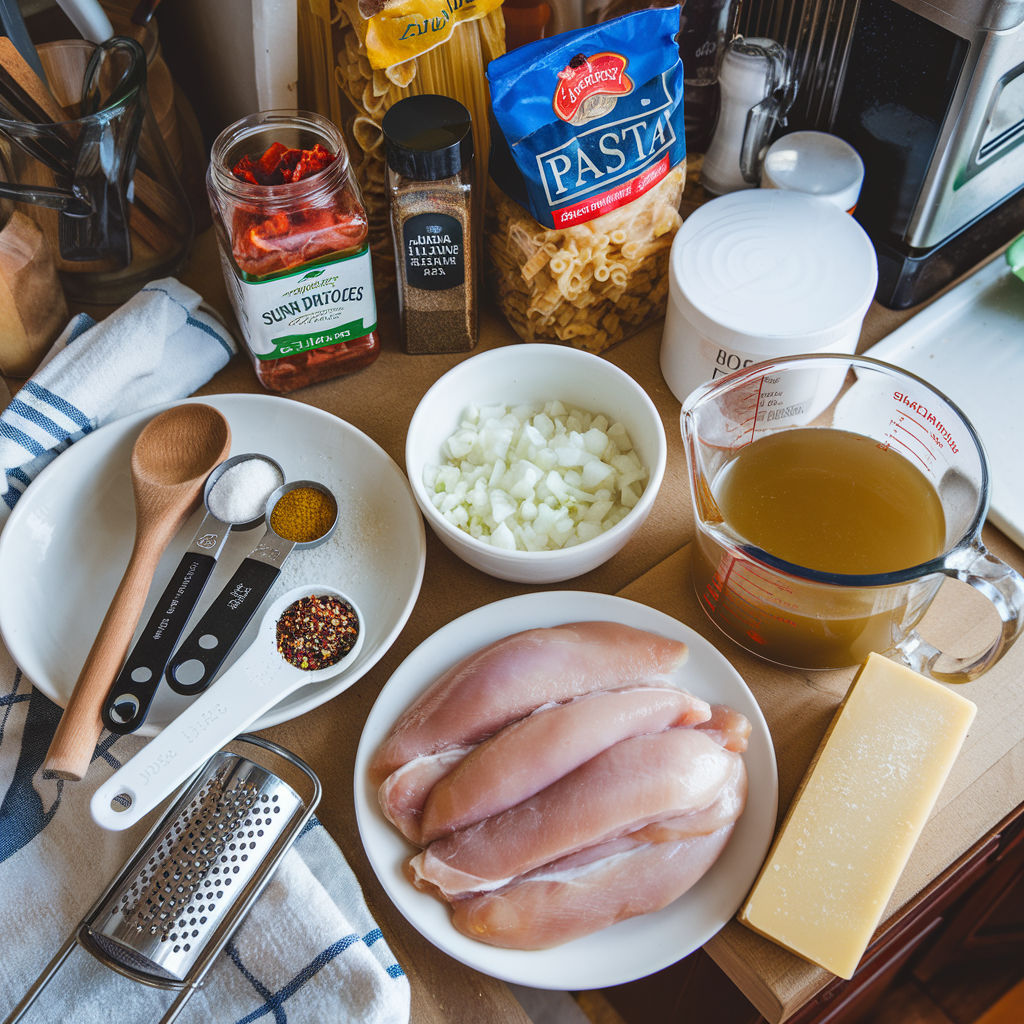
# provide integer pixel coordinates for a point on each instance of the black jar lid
(428, 137)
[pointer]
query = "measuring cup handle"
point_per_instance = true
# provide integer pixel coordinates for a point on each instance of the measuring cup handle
(131, 694)
(217, 632)
(239, 698)
(1003, 587)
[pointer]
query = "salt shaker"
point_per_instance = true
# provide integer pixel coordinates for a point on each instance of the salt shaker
(429, 144)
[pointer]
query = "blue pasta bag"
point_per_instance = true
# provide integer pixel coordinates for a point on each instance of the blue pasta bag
(589, 120)
(588, 163)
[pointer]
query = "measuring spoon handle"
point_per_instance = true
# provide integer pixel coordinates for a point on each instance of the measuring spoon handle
(203, 651)
(132, 693)
(253, 684)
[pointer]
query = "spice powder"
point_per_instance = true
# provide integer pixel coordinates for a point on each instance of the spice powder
(435, 319)
(303, 515)
(316, 632)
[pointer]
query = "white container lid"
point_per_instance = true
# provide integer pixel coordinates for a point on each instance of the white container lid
(767, 266)
(817, 163)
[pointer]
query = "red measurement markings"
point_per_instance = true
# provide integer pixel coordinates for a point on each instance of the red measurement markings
(911, 441)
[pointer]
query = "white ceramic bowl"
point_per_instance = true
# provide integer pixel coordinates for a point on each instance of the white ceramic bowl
(535, 374)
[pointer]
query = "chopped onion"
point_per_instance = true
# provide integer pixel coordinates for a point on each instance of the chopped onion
(528, 480)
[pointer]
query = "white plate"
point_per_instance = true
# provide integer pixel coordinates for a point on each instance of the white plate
(628, 950)
(68, 540)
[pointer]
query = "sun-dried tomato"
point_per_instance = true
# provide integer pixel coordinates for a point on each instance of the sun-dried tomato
(280, 165)
(298, 255)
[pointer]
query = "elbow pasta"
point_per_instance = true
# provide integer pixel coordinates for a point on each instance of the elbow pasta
(591, 284)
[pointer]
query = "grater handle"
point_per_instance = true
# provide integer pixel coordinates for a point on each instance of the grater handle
(256, 682)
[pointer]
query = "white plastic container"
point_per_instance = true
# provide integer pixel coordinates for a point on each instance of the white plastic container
(817, 163)
(760, 274)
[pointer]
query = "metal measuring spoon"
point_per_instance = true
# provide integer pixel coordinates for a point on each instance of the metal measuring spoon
(202, 653)
(133, 690)
(260, 679)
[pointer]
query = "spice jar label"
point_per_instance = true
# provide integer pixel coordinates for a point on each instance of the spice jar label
(433, 250)
(291, 313)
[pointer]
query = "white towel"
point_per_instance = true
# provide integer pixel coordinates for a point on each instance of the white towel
(309, 952)
(161, 345)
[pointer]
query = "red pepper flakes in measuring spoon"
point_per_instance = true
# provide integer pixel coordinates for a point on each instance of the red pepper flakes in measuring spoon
(316, 632)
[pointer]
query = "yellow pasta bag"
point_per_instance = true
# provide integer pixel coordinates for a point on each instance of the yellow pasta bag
(587, 173)
(351, 73)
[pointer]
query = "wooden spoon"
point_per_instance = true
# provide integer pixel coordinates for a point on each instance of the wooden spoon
(170, 461)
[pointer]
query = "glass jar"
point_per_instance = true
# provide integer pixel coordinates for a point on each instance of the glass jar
(294, 252)
(429, 144)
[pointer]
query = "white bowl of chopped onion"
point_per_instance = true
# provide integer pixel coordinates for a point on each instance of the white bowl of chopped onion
(535, 463)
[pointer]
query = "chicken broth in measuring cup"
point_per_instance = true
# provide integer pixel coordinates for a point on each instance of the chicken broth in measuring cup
(825, 526)
(831, 501)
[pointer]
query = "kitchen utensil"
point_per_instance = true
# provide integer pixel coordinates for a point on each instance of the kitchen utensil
(174, 905)
(70, 535)
(757, 88)
(631, 949)
(170, 460)
(967, 344)
(204, 650)
(13, 26)
(137, 223)
(144, 11)
(89, 18)
(129, 699)
(258, 680)
(813, 619)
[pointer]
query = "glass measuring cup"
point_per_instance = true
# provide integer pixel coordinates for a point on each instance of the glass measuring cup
(808, 618)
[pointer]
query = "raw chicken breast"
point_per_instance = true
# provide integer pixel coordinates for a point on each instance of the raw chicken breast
(404, 792)
(727, 727)
(631, 784)
(513, 676)
(532, 753)
(576, 896)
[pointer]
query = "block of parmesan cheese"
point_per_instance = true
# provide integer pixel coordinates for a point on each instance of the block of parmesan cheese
(858, 814)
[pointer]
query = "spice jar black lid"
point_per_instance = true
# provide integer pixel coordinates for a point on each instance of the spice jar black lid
(428, 137)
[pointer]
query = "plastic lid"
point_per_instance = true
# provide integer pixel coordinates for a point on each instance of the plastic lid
(817, 163)
(428, 137)
(766, 264)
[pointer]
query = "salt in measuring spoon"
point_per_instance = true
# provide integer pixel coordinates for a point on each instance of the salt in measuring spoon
(129, 699)
(205, 649)
(256, 682)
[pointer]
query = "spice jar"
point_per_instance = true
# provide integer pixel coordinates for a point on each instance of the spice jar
(292, 230)
(429, 145)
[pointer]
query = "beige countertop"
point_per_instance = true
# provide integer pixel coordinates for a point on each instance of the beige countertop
(987, 781)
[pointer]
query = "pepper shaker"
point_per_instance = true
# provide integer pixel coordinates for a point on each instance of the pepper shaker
(429, 144)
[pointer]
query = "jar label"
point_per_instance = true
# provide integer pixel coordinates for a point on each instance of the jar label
(306, 308)
(434, 256)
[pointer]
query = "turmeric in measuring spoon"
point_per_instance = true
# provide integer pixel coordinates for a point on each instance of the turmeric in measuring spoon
(304, 514)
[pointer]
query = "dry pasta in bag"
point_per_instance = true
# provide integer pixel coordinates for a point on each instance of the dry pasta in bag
(360, 57)
(587, 169)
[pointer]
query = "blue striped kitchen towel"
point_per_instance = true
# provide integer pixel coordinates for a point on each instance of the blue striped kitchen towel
(309, 952)
(161, 345)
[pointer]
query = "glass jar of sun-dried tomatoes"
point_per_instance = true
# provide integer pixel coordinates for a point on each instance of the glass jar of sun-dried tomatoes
(293, 245)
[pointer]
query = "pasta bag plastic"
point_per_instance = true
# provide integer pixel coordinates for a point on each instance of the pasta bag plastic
(587, 170)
